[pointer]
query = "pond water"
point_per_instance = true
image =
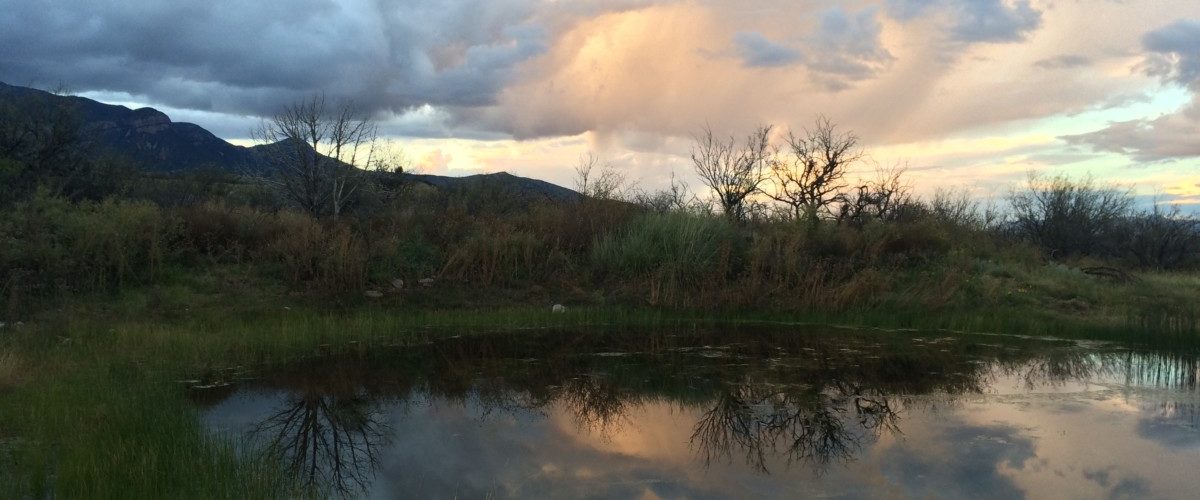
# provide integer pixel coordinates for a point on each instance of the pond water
(769, 413)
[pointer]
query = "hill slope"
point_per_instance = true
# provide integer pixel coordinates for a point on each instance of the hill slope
(149, 138)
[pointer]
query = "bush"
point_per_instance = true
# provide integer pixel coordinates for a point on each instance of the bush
(225, 233)
(1068, 217)
(502, 254)
(684, 248)
(325, 257)
(52, 245)
(1162, 240)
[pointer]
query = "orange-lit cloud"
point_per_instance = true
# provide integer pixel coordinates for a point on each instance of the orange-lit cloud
(970, 92)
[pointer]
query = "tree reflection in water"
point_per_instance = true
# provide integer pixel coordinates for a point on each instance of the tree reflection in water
(329, 443)
(786, 399)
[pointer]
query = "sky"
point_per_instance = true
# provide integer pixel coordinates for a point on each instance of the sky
(969, 94)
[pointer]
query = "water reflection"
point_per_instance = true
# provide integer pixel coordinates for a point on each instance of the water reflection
(808, 426)
(328, 441)
(779, 405)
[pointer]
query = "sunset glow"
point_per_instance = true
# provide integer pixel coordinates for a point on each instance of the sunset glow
(968, 94)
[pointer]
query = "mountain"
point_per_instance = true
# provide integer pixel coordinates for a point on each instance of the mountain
(149, 137)
(145, 135)
(523, 187)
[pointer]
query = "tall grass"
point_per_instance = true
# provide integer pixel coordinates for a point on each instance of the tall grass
(684, 248)
(595, 251)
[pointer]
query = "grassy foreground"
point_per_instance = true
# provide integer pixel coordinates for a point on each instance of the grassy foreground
(92, 404)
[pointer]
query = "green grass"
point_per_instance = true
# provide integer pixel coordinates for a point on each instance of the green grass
(91, 404)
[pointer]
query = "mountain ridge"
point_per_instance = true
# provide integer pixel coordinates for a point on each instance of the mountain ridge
(151, 139)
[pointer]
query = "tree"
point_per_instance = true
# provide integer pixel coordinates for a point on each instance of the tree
(675, 198)
(317, 154)
(885, 198)
(1069, 217)
(733, 172)
(597, 179)
(809, 178)
(41, 142)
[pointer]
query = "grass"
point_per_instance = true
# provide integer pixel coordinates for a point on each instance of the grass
(93, 406)
(131, 298)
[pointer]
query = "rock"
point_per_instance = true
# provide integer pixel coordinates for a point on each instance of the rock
(3, 324)
(373, 294)
(427, 282)
(398, 284)
(558, 308)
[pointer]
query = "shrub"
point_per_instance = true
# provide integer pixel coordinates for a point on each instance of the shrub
(222, 232)
(1069, 217)
(1162, 240)
(685, 248)
(50, 244)
(326, 257)
(501, 254)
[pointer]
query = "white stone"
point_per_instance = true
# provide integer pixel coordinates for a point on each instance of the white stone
(398, 284)
(427, 282)
(373, 294)
(558, 308)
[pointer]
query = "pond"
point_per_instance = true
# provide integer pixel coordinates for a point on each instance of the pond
(729, 413)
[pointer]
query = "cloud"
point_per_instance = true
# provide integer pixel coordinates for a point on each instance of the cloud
(1173, 55)
(975, 21)
(757, 51)
(1129, 486)
(845, 47)
(969, 468)
(235, 57)
(1065, 61)
(1167, 137)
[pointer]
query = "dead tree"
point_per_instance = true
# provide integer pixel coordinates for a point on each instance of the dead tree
(809, 178)
(883, 199)
(316, 153)
(733, 172)
(597, 179)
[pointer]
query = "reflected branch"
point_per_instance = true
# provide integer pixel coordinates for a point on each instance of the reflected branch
(330, 442)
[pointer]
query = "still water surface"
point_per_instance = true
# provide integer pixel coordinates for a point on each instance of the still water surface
(772, 413)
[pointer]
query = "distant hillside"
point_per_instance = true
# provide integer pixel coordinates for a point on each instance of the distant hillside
(145, 135)
(149, 138)
(520, 186)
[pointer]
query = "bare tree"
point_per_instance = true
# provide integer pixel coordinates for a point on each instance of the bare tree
(1071, 217)
(597, 179)
(330, 443)
(675, 198)
(732, 171)
(317, 153)
(809, 178)
(883, 198)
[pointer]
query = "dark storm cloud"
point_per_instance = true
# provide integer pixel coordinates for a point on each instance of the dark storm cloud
(251, 57)
(975, 20)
